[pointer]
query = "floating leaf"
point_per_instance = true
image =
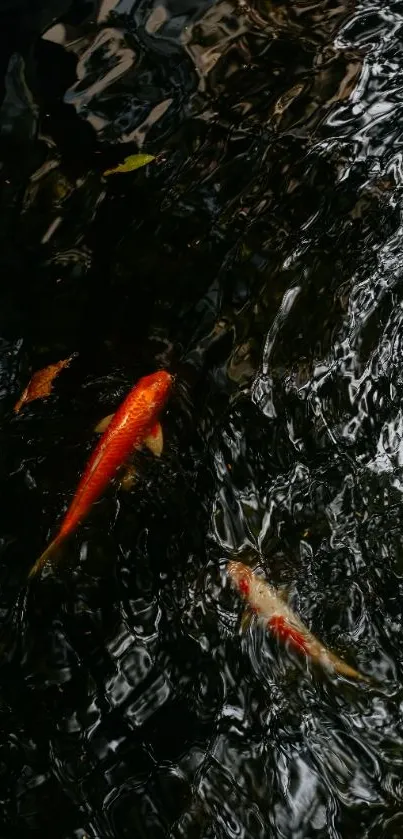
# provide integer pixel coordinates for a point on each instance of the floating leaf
(41, 383)
(134, 161)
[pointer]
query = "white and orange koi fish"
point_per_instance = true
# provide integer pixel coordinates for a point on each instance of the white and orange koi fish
(268, 604)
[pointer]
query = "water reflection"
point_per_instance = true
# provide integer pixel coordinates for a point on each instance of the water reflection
(260, 258)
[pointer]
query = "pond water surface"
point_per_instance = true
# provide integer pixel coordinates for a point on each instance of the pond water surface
(259, 258)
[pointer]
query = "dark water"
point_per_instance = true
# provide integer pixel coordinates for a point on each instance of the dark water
(260, 259)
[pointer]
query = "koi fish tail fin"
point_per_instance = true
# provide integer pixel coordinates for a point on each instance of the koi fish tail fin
(355, 674)
(344, 669)
(45, 558)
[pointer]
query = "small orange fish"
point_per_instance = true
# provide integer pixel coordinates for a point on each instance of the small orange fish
(41, 383)
(134, 423)
(268, 605)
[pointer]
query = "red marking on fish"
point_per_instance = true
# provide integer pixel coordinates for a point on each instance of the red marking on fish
(280, 626)
(132, 422)
(244, 587)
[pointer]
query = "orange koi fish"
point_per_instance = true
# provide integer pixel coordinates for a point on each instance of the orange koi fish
(268, 604)
(134, 423)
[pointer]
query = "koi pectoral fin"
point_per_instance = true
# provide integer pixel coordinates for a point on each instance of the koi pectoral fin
(246, 619)
(284, 593)
(128, 478)
(155, 440)
(103, 424)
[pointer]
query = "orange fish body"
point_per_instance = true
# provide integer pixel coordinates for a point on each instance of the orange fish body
(134, 421)
(268, 605)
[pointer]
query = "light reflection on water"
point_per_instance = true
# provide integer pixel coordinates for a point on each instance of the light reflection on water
(260, 258)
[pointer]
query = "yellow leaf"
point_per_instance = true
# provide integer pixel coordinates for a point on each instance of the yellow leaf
(41, 383)
(134, 161)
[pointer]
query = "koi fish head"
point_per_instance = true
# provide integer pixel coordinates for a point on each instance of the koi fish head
(241, 576)
(155, 388)
(260, 596)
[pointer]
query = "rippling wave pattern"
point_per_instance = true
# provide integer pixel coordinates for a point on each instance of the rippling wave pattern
(259, 257)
